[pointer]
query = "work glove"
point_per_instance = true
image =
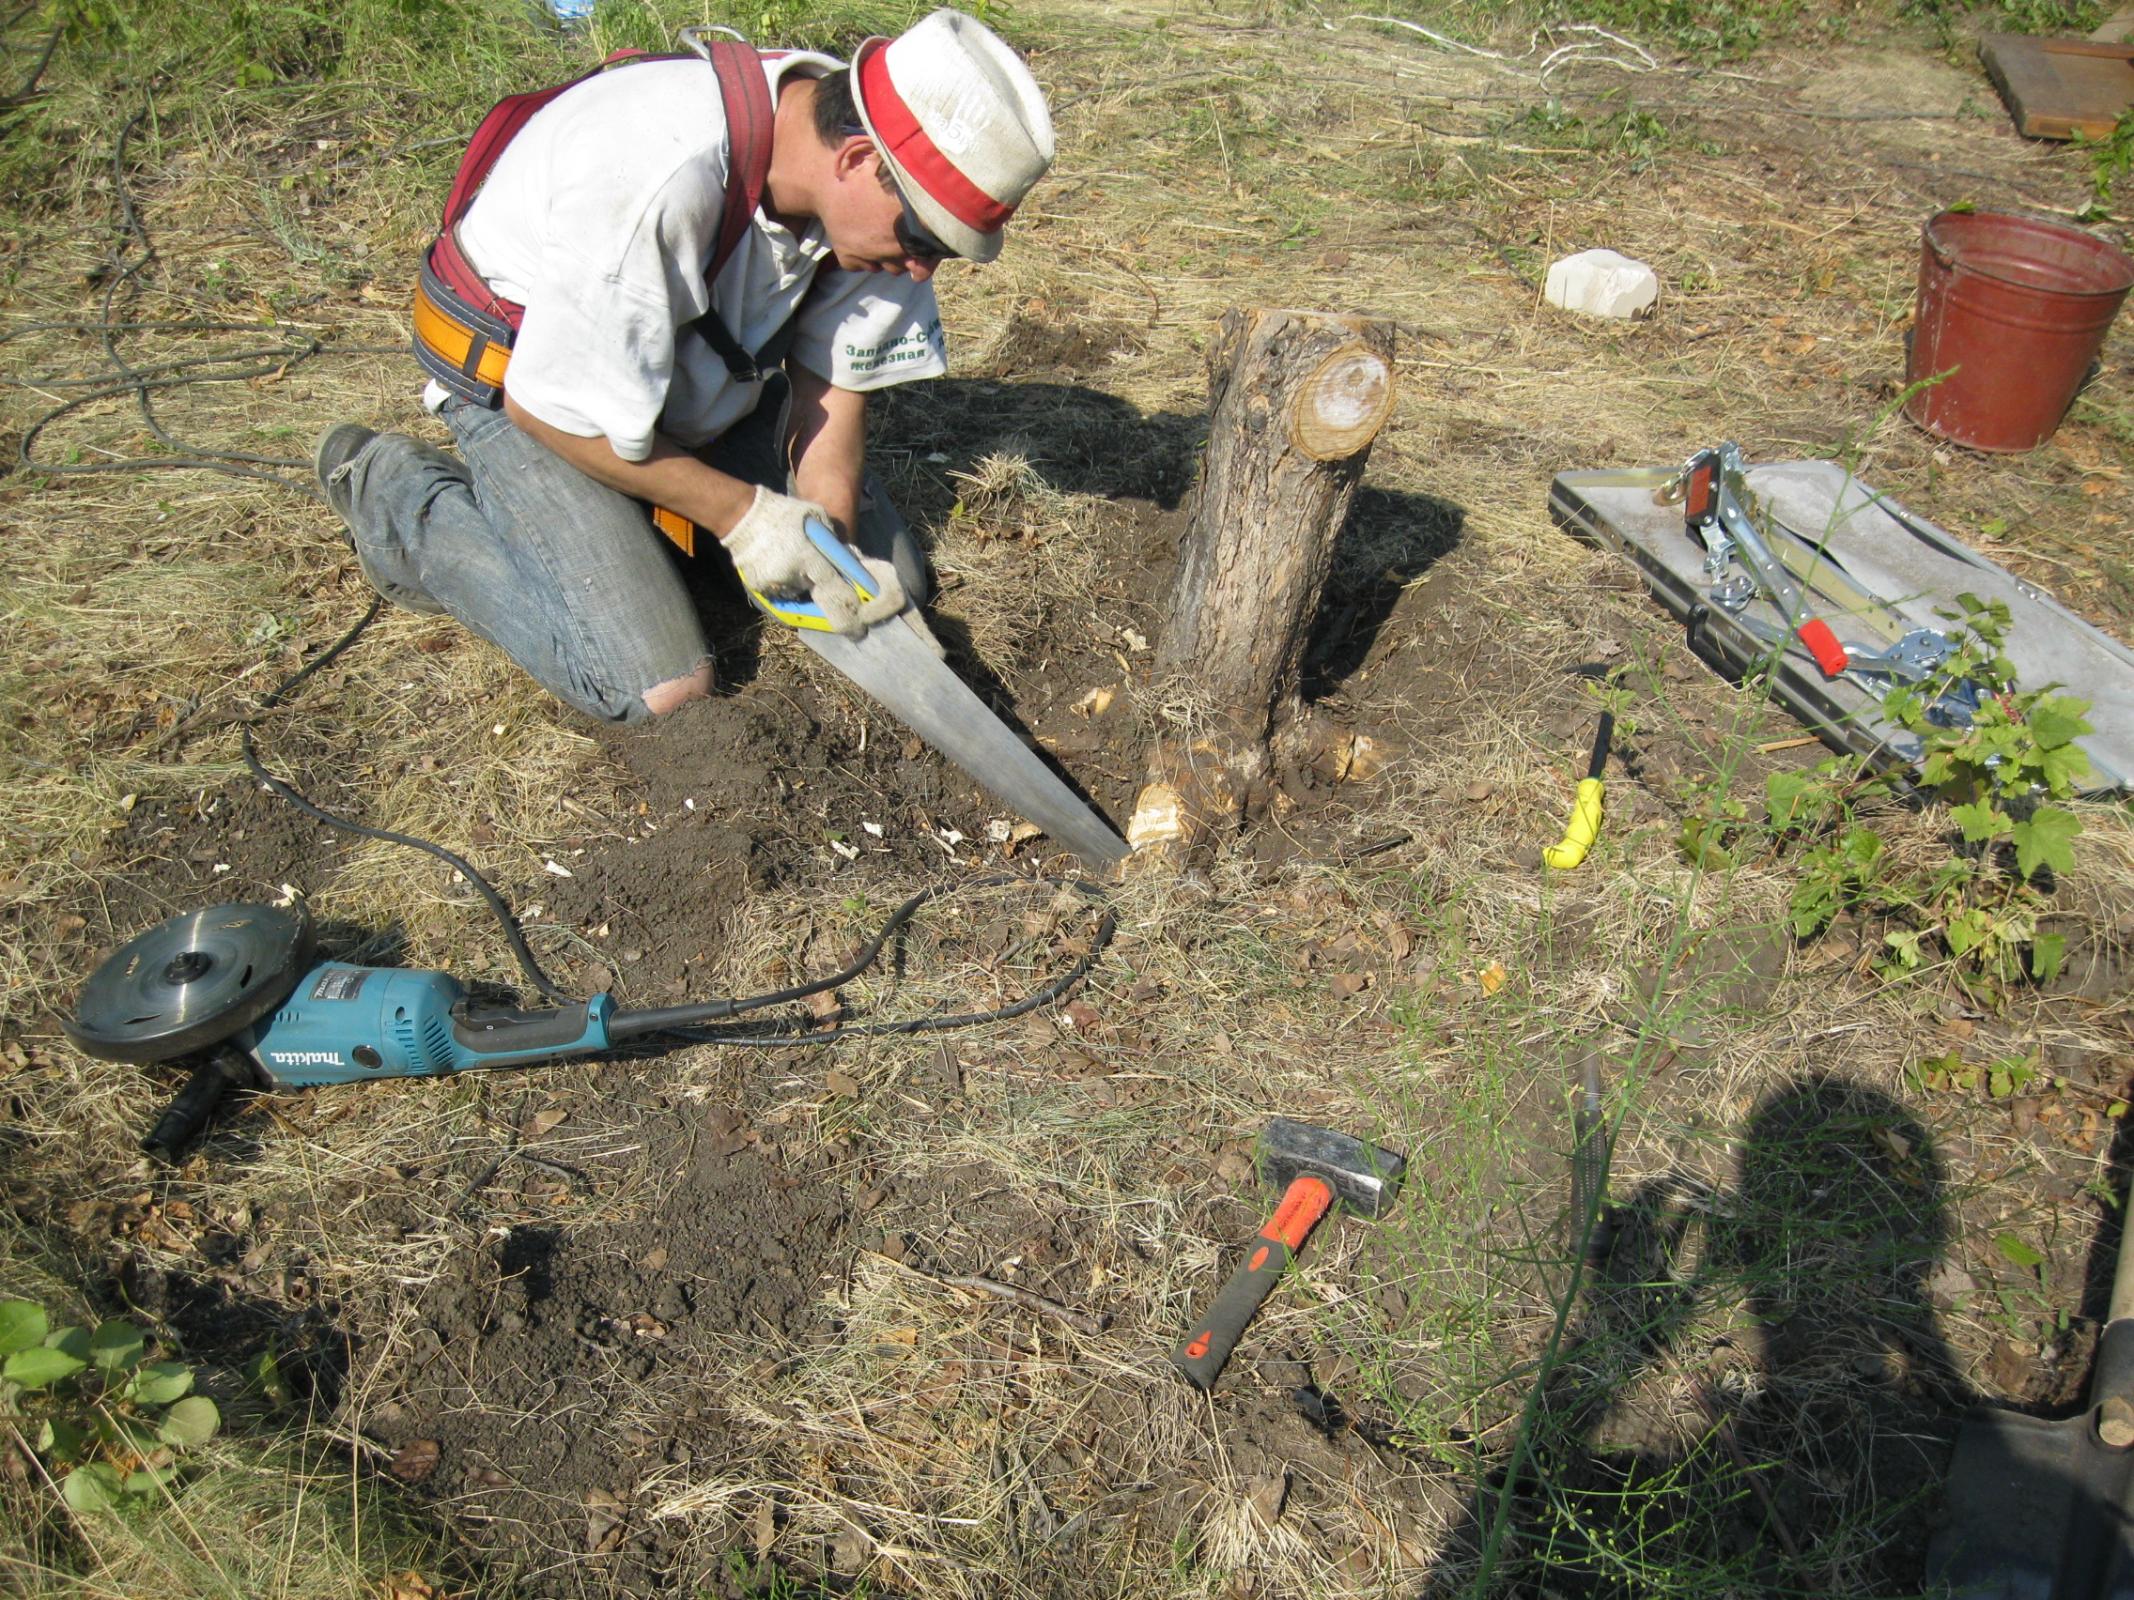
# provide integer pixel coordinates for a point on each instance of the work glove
(773, 554)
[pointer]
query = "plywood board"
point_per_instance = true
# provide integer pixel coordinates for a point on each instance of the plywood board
(2059, 87)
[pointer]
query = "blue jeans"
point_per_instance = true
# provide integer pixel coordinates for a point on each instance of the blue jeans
(565, 575)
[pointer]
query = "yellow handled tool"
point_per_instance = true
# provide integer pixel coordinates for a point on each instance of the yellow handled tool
(807, 614)
(1585, 824)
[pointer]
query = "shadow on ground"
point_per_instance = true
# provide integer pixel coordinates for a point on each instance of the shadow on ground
(1083, 441)
(1753, 1390)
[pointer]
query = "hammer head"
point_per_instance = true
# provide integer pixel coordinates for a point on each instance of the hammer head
(1364, 1177)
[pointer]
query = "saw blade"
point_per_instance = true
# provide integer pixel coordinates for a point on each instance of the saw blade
(191, 981)
(922, 691)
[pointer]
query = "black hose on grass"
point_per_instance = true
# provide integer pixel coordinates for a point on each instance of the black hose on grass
(141, 382)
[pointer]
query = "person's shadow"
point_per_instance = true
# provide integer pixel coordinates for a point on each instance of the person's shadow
(1753, 1396)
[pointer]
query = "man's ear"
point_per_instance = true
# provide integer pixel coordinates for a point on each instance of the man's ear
(854, 154)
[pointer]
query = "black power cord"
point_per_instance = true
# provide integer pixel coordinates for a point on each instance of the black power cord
(141, 382)
(685, 1021)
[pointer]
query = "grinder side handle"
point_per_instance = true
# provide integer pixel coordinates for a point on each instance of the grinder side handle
(1204, 1351)
(224, 1068)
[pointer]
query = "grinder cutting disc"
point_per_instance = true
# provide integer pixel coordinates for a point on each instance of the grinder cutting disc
(190, 982)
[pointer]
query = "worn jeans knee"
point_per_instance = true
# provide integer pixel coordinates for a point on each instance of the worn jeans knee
(563, 574)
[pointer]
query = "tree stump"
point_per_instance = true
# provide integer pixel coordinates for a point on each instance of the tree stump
(1297, 397)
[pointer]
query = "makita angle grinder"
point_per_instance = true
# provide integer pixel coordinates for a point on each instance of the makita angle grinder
(239, 986)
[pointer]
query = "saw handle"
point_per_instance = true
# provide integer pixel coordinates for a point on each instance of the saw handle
(1201, 1356)
(224, 1069)
(806, 613)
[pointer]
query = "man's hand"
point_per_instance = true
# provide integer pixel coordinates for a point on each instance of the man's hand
(773, 554)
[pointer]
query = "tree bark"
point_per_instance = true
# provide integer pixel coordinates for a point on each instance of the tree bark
(1297, 398)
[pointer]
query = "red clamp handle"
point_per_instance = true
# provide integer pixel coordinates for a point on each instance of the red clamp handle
(1823, 645)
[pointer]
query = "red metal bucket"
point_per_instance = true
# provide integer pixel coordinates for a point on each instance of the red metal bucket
(2013, 309)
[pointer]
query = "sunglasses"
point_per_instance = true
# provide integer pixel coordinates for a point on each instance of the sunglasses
(914, 239)
(913, 236)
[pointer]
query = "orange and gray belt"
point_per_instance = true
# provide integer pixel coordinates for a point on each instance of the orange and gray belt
(467, 349)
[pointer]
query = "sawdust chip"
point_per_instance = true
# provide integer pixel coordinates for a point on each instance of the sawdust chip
(1267, 1496)
(414, 1461)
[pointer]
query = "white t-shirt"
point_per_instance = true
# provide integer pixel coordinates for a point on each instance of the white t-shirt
(600, 218)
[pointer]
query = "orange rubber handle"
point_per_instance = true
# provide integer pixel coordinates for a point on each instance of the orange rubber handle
(1204, 1351)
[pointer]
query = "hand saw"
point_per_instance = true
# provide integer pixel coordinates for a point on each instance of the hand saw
(899, 673)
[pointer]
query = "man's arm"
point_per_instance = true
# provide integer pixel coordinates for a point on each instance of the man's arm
(827, 443)
(670, 476)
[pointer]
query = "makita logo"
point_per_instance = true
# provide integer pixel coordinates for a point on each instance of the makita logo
(305, 1058)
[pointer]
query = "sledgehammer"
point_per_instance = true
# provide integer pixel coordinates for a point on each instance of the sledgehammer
(1314, 1167)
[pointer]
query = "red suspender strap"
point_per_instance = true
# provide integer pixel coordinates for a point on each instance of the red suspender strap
(447, 264)
(500, 127)
(746, 95)
(463, 329)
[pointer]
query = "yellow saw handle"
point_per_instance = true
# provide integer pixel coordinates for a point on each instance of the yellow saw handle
(1585, 824)
(1583, 828)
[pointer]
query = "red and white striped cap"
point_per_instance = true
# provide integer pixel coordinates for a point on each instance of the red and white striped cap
(960, 122)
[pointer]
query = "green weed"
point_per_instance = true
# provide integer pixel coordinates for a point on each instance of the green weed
(2008, 16)
(766, 1580)
(2111, 158)
(118, 1476)
(2000, 777)
(1726, 27)
(836, 26)
(95, 1408)
(190, 74)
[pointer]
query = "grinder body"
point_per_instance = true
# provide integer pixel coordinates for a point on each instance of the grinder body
(237, 990)
(345, 1024)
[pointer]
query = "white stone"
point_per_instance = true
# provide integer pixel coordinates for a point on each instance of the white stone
(1602, 283)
